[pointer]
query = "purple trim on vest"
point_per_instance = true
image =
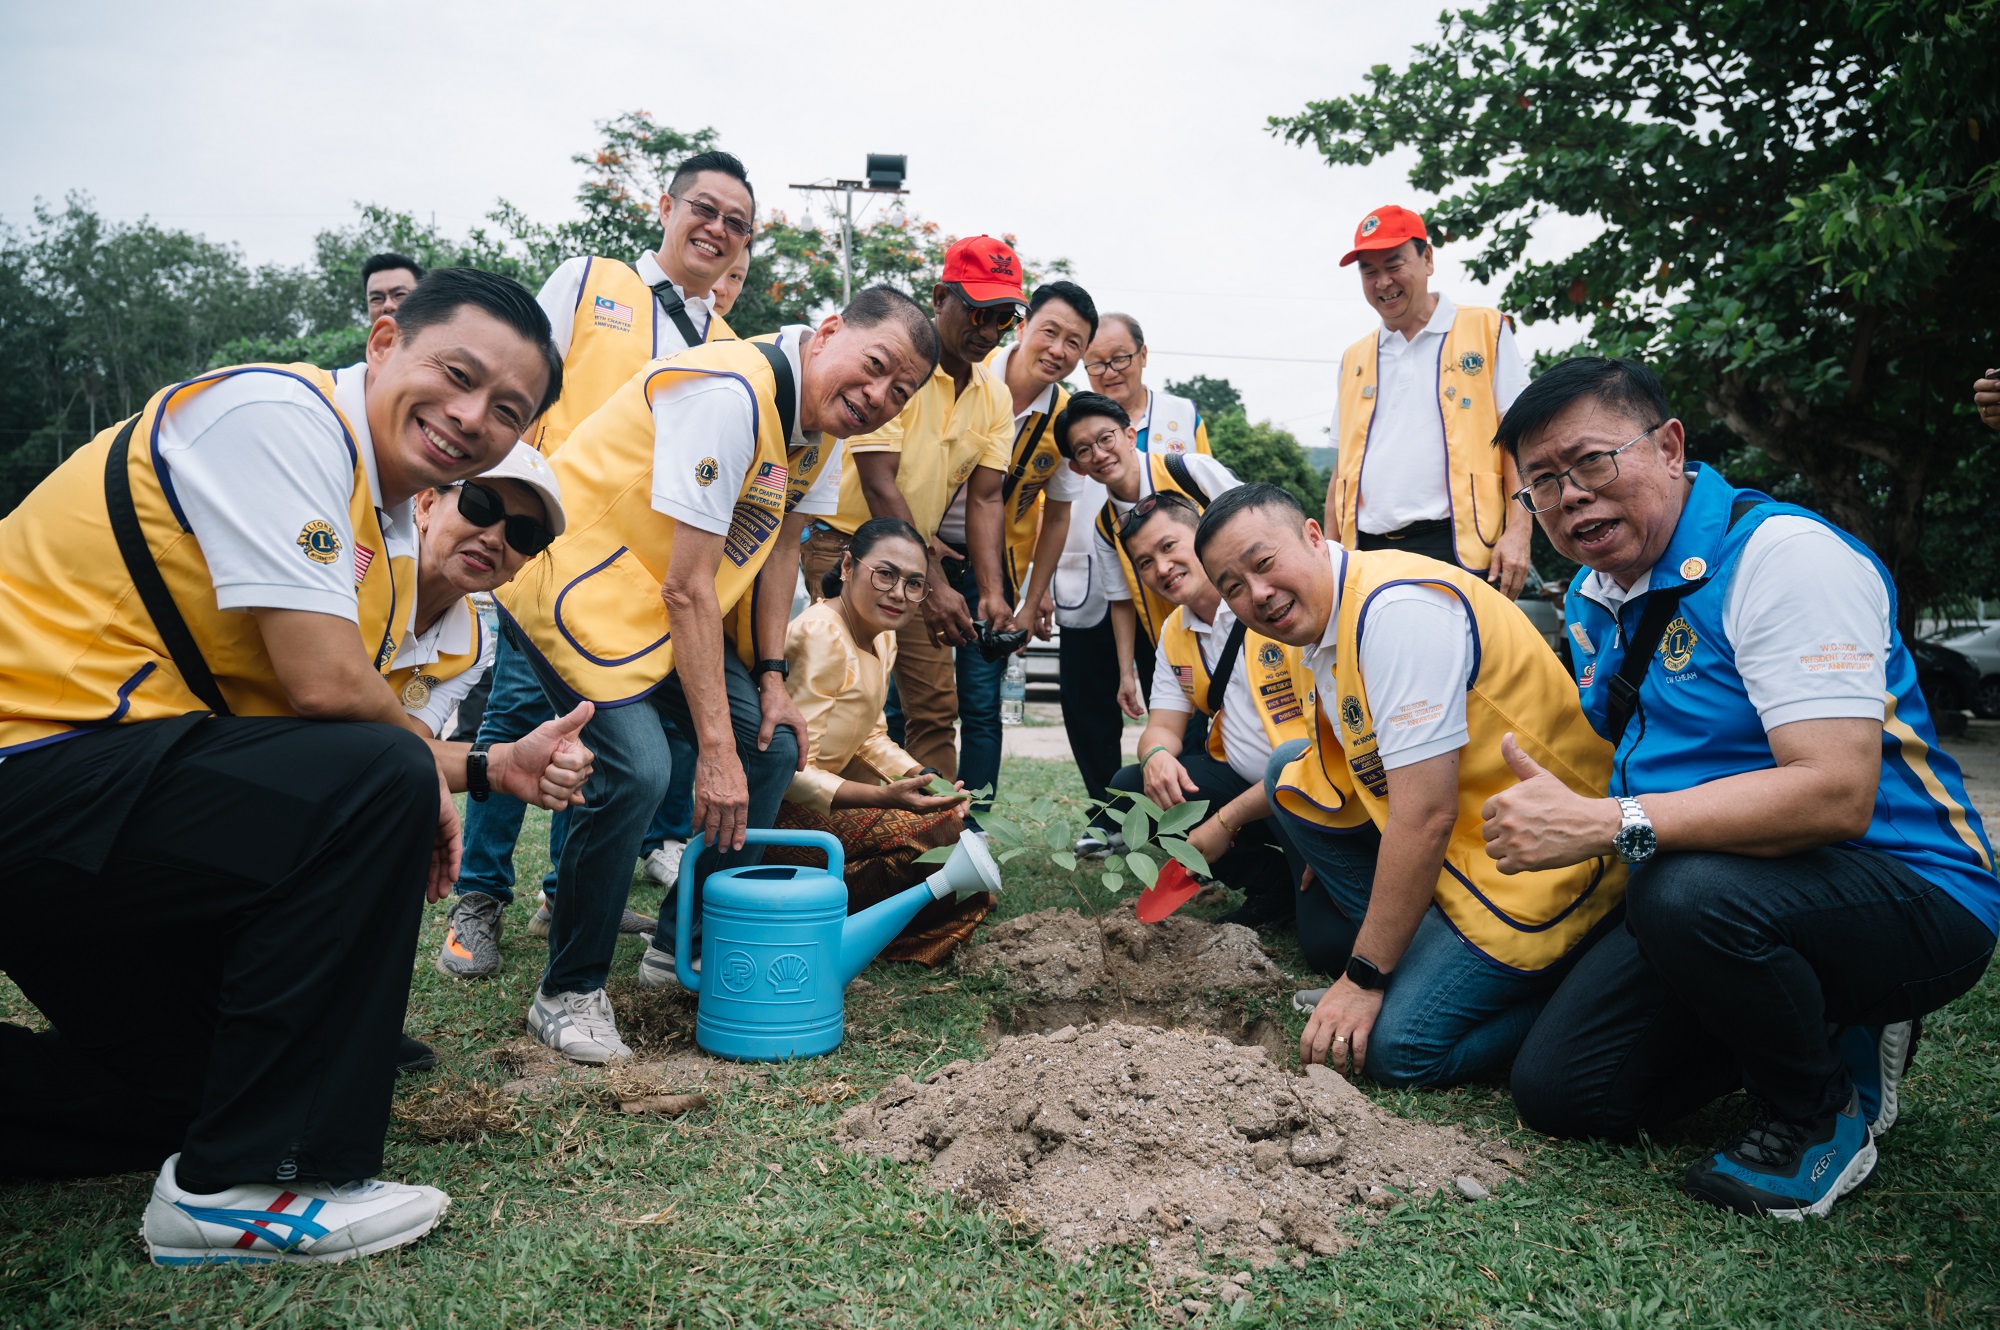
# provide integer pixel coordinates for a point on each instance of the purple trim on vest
(160, 471)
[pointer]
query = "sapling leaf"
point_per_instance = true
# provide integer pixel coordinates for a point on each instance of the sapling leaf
(1112, 863)
(1142, 866)
(1007, 856)
(1114, 882)
(1042, 809)
(1182, 817)
(1136, 827)
(942, 854)
(1056, 835)
(939, 786)
(1004, 830)
(1190, 858)
(1064, 860)
(1141, 801)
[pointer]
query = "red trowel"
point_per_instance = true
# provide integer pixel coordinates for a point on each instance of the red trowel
(1173, 888)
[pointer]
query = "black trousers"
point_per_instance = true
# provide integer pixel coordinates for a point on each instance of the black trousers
(1740, 972)
(1434, 539)
(1087, 675)
(230, 980)
(1255, 865)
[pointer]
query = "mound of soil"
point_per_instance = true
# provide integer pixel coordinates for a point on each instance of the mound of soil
(1118, 1133)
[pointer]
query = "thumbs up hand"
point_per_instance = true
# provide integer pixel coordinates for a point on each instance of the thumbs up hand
(548, 766)
(1541, 822)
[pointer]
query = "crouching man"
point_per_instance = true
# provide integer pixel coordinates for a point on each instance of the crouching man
(1420, 669)
(1809, 875)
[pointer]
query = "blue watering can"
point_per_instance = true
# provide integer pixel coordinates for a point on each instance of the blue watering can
(778, 947)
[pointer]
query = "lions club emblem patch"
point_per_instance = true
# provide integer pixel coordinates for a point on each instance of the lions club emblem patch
(1471, 362)
(1692, 568)
(1368, 227)
(320, 542)
(704, 472)
(418, 690)
(1043, 461)
(1269, 656)
(1350, 713)
(1677, 645)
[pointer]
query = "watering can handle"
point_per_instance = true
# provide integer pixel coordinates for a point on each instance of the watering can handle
(836, 865)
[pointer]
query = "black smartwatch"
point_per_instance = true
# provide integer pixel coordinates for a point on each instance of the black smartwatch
(777, 667)
(476, 787)
(1363, 972)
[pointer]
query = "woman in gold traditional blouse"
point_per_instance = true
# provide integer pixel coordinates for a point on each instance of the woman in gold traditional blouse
(858, 784)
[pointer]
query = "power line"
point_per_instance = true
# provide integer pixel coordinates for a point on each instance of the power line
(1219, 355)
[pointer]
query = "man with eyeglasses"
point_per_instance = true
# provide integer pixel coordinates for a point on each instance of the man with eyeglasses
(955, 435)
(1419, 669)
(610, 319)
(1420, 398)
(385, 280)
(1116, 364)
(1809, 876)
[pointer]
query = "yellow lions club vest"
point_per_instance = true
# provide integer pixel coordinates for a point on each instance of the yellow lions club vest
(1527, 921)
(1151, 607)
(1036, 458)
(1465, 405)
(78, 650)
(739, 626)
(413, 683)
(615, 334)
(1279, 681)
(593, 610)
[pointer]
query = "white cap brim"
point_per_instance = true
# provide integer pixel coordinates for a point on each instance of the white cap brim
(524, 464)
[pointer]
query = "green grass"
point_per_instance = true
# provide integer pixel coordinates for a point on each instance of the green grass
(761, 1220)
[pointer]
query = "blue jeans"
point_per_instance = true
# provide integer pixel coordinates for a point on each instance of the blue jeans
(632, 771)
(978, 702)
(1449, 1015)
(514, 706)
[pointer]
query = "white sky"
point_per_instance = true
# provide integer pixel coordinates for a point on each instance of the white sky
(1127, 137)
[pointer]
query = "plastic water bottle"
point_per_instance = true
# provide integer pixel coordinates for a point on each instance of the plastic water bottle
(1013, 691)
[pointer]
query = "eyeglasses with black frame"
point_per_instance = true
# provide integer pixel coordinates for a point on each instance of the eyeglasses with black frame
(1104, 441)
(999, 317)
(885, 578)
(708, 214)
(1592, 472)
(484, 508)
(1115, 362)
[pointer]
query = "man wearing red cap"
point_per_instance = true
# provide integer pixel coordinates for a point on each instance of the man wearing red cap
(956, 434)
(1420, 400)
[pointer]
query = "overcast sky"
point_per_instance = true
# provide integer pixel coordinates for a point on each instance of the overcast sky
(1129, 138)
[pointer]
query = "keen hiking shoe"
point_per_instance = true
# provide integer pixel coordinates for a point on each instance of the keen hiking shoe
(256, 1224)
(1878, 1057)
(1788, 1170)
(471, 947)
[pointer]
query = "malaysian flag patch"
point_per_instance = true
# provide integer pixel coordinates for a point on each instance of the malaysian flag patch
(608, 313)
(363, 556)
(1184, 676)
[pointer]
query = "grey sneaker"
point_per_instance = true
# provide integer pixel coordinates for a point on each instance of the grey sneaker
(578, 1025)
(471, 947)
(664, 864)
(633, 922)
(1306, 1000)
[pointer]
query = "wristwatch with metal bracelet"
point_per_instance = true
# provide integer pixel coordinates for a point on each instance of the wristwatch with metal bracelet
(1635, 841)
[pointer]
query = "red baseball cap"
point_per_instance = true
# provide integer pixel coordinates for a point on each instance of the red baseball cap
(1385, 228)
(988, 271)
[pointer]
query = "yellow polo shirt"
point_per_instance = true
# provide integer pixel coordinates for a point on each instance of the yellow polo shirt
(940, 437)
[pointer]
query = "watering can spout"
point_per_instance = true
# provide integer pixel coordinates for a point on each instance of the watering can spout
(971, 868)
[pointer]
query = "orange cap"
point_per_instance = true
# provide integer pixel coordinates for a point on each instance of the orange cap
(1385, 228)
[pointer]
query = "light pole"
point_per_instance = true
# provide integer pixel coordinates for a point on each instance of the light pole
(885, 176)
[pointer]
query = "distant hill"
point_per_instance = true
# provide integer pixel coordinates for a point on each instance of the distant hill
(1321, 459)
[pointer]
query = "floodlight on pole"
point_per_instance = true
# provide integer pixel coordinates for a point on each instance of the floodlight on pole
(886, 172)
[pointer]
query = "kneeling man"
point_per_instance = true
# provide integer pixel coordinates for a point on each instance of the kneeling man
(1421, 670)
(1811, 876)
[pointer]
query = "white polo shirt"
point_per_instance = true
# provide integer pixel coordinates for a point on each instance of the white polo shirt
(1416, 650)
(1213, 478)
(1244, 741)
(1404, 474)
(1806, 618)
(452, 634)
(563, 291)
(252, 461)
(1065, 485)
(704, 419)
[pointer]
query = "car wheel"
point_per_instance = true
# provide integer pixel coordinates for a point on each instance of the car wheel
(1986, 702)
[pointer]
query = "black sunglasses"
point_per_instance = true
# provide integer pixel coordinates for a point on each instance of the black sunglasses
(482, 507)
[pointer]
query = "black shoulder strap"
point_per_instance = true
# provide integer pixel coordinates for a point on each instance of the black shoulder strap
(788, 390)
(1653, 621)
(1218, 678)
(676, 308)
(1183, 475)
(1021, 456)
(145, 575)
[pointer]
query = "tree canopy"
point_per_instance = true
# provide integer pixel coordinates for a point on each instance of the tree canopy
(1796, 207)
(1260, 451)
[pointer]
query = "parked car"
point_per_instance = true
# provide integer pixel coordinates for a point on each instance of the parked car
(1949, 681)
(1980, 646)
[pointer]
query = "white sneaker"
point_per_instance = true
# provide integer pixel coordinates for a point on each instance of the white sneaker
(656, 968)
(578, 1025)
(664, 864)
(304, 1223)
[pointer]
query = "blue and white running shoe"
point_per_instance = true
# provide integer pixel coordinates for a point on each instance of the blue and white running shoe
(305, 1223)
(1788, 1170)
(1878, 1057)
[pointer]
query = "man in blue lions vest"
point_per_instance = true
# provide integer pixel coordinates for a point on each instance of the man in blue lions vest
(1809, 877)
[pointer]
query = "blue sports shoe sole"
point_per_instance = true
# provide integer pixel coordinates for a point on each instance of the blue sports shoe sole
(1807, 1188)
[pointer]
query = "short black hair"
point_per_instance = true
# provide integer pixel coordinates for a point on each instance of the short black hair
(1082, 406)
(882, 304)
(1177, 507)
(442, 293)
(1244, 498)
(1070, 294)
(713, 160)
(1624, 384)
(389, 262)
(865, 538)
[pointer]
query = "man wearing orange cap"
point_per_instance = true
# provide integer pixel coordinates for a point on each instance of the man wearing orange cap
(1420, 400)
(957, 433)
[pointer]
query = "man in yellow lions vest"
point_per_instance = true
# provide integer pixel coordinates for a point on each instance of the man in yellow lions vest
(197, 611)
(610, 319)
(1420, 400)
(686, 494)
(1420, 669)
(1253, 690)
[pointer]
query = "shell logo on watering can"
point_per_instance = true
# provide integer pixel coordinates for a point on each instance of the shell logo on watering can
(780, 947)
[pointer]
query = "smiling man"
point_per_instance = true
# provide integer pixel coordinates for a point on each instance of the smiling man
(685, 494)
(1419, 400)
(196, 734)
(1419, 670)
(1809, 876)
